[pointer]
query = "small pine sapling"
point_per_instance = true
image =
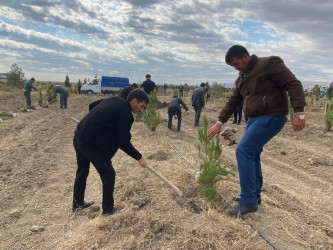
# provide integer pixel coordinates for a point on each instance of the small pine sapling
(329, 116)
(151, 115)
(40, 99)
(49, 93)
(211, 169)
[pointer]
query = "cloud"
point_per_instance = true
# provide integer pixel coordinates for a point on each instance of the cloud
(174, 39)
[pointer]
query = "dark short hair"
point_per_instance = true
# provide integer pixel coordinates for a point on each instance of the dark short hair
(138, 94)
(32, 79)
(148, 76)
(134, 85)
(202, 84)
(235, 51)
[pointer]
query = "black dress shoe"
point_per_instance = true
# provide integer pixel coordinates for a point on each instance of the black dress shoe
(242, 210)
(237, 198)
(86, 204)
(114, 211)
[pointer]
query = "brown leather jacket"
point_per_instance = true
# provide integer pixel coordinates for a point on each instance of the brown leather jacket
(265, 90)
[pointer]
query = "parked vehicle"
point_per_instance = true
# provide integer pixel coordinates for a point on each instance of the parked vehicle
(105, 85)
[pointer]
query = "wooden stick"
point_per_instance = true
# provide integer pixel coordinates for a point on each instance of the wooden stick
(194, 206)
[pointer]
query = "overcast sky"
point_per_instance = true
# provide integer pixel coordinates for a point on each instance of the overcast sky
(176, 41)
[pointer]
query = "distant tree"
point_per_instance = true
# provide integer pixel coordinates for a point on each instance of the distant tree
(329, 93)
(316, 91)
(217, 90)
(15, 77)
(67, 83)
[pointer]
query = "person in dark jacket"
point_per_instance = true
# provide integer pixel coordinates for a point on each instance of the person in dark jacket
(198, 102)
(28, 86)
(63, 95)
(181, 89)
(148, 86)
(262, 86)
(174, 109)
(238, 113)
(125, 91)
(99, 135)
(79, 85)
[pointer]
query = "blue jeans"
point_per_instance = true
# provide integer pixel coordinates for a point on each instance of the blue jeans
(258, 132)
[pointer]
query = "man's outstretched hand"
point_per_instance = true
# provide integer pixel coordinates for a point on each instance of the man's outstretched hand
(215, 130)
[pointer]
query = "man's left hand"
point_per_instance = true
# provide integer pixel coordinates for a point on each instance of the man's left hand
(298, 124)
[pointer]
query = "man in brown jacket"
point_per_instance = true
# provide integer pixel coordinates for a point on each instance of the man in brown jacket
(262, 86)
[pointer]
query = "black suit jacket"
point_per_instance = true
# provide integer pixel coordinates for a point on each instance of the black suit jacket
(106, 128)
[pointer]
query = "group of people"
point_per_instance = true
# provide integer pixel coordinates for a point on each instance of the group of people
(28, 87)
(262, 88)
(80, 84)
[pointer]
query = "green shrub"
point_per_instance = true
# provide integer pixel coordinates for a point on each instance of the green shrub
(329, 116)
(5, 87)
(211, 169)
(23, 108)
(5, 114)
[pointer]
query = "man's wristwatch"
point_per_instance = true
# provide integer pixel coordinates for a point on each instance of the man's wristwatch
(299, 116)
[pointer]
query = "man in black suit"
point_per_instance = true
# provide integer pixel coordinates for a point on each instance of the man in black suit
(148, 86)
(104, 130)
(198, 102)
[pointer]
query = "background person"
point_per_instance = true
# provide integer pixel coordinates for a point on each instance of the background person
(125, 91)
(181, 89)
(238, 113)
(262, 84)
(198, 102)
(165, 86)
(63, 95)
(174, 109)
(148, 85)
(104, 130)
(28, 86)
(79, 85)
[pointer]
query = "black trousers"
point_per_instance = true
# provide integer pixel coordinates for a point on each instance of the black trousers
(197, 115)
(84, 155)
(238, 112)
(172, 112)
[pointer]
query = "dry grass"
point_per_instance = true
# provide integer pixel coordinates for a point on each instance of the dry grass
(296, 212)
